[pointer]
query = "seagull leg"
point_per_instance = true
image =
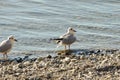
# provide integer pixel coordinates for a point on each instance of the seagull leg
(56, 48)
(69, 47)
(65, 48)
(3, 55)
(6, 56)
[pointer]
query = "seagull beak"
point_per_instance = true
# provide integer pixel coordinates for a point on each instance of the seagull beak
(74, 30)
(15, 40)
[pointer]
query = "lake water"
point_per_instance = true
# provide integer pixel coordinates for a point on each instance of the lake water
(34, 22)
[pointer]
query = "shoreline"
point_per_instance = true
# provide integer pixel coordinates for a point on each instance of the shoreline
(97, 65)
(44, 53)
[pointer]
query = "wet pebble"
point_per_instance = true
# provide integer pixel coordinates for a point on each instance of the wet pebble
(97, 51)
(26, 58)
(19, 59)
(81, 53)
(91, 51)
(49, 56)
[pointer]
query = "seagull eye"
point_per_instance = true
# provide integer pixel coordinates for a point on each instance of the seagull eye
(11, 38)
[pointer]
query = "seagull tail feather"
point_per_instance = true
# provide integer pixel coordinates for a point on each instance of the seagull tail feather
(57, 39)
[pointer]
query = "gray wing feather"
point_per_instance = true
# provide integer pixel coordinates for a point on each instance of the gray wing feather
(68, 39)
(60, 38)
(5, 46)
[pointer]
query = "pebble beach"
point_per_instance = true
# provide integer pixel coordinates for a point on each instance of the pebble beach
(34, 23)
(89, 65)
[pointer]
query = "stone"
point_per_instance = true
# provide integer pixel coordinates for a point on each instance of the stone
(27, 63)
(19, 59)
(66, 60)
(26, 58)
(73, 60)
(20, 65)
(34, 78)
(49, 56)
(33, 59)
(16, 74)
(14, 62)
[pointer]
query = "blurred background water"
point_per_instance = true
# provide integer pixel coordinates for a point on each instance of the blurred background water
(34, 22)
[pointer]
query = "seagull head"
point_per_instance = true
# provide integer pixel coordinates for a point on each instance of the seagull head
(12, 39)
(71, 30)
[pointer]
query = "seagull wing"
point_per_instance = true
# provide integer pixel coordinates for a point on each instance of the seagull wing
(61, 38)
(5, 46)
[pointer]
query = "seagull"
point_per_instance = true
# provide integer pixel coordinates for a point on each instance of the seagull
(67, 39)
(6, 46)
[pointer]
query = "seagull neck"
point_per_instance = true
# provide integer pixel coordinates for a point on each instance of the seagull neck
(72, 33)
(11, 41)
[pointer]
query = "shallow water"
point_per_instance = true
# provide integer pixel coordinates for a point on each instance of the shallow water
(34, 22)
